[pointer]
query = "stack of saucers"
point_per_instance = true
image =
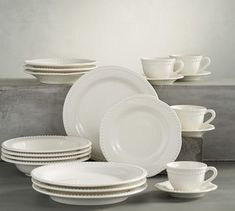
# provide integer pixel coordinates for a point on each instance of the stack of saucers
(28, 153)
(58, 71)
(89, 183)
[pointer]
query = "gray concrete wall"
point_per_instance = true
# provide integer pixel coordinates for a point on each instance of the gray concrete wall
(30, 108)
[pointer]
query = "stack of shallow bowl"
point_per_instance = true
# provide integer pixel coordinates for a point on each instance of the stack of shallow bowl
(89, 183)
(28, 153)
(58, 71)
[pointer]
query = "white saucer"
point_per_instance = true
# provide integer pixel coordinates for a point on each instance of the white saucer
(197, 133)
(195, 77)
(166, 187)
(165, 81)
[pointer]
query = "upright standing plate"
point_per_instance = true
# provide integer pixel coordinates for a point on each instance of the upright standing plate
(93, 94)
(141, 130)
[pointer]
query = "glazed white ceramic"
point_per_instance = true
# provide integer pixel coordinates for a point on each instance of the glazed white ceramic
(56, 78)
(195, 77)
(199, 132)
(161, 67)
(89, 199)
(60, 62)
(192, 117)
(141, 130)
(59, 70)
(76, 174)
(46, 155)
(193, 63)
(90, 97)
(78, 190)
(189, 175)
(167, 187)
(46, 144)
(166, 81)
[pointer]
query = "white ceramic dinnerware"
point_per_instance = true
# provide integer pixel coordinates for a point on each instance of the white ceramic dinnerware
(189, 175)
(165, 81)
(161, 67)
(91, 96)
(195, 77)
(60, 63)
(193, 64)
(74, 183)
(141, 130)
(192, 116)
(167, 187)
(198, 133)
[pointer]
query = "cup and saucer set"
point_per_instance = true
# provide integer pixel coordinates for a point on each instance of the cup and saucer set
(166, 70)
(186, 179)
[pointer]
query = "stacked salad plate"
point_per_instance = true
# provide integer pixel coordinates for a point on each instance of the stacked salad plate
(28, 153)
(58, 71)
(89, 183)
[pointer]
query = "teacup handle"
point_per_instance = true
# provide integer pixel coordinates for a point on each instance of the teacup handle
(213, 115)
(206, 61)
(180, 66)
(213, 176)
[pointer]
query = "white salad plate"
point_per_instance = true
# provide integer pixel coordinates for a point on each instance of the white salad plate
(199, 132)
(56, 78)
(125, 187)
(46, 144)
(45, 155)
(60, 62)
(167, 187)
(49, 159)
(89, 199)
(27, 167)
(165, 81)
(76, 174)
(195, 77)
(95, 92)
(141, 130)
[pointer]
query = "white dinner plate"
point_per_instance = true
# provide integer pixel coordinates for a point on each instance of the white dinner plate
(45, 159)
(141, 130)
(125, 187)
(89, 199)
(89, 174)
(46, 144)
(60, 70)
(45, 155)
(93, 94)
(60, 62)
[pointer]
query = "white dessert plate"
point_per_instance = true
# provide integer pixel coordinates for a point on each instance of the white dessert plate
(198, 133)
(167, 187)
(60, 63)
(164, 81)
(45, 155)
(89, 199)
(75, 174)
(56, 78)
(60, 70)
(39, 159)
(93, 94)
(195, 77)
(125, 187)
(141, 130)
(46, 144)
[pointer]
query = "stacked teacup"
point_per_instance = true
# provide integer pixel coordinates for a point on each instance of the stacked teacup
(186, 179)
(192, 119)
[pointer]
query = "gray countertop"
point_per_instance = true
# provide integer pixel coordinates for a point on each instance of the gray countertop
(16, 194)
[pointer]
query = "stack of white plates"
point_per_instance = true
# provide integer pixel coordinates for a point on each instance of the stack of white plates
(89, 183)
(58, 71)
(28, 153)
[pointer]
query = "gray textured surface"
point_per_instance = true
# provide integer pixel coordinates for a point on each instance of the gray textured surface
(30, 108)
(16, 194)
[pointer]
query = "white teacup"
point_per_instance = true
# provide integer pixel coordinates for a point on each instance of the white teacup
(193, 63)
(192, 117)
(161, 67)
(189, 175)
